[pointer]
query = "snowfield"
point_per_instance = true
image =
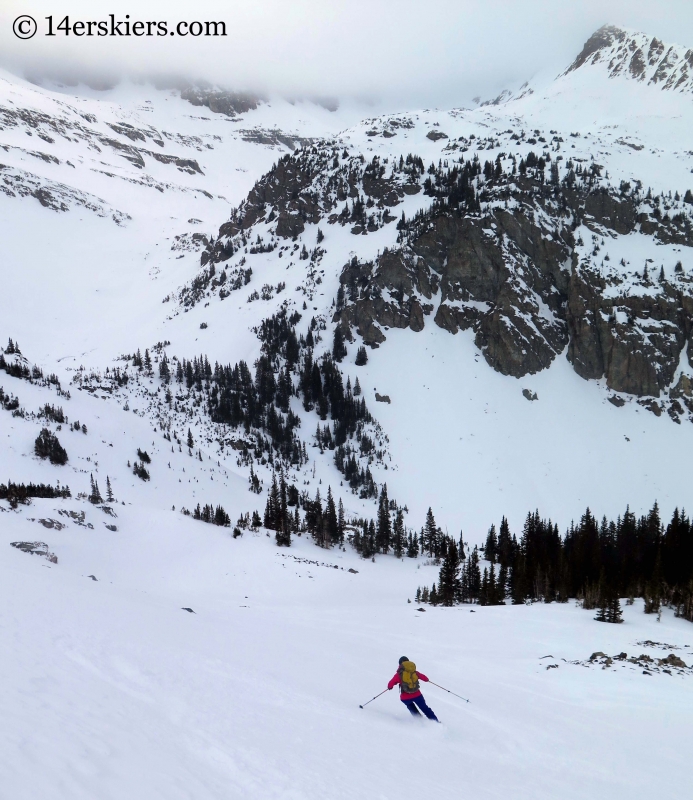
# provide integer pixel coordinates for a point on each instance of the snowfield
(111, 690)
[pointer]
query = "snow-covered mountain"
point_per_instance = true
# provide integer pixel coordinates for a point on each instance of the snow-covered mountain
(485, 311)
(549, 234)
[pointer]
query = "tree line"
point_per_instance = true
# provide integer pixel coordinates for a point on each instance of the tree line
(595, 561)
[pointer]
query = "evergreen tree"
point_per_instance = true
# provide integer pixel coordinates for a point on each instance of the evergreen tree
(501, 587)
(384, 529)
(190, 442)
(331, 521)
(341, 522)
(433, 596)
(339, 349)
(449, 586)
(361, 357)
(491, 545)
(48, 446)
(164, 370)
(282, 522)
(484, 594)
(109, 490)
(398, 534)
(615, 614)
(95, 494)
(430, 533)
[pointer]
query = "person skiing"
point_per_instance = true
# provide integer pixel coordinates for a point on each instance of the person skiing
(408, 678)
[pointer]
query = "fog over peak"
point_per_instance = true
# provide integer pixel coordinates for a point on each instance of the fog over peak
(409, 53)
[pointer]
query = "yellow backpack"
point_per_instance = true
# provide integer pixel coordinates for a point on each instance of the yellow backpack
(409, 680)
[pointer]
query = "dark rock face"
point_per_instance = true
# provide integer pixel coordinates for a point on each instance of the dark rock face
(495, 253)
(605, 37)
(520, 287)
(639, 58)
(638, 356)
(317, 185)
(221, 102)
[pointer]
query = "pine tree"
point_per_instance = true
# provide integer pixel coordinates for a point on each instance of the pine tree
(398, 534)
(48, 446)
(490, 550)
(191, 442)
(164, 371)
(384, 530)
(361, 357)
(615, 614)
(504, 547)
(281, 521)
(341, 522)
(449, 586)
(501, 587)
(430, 533)
(603, 612)
(109, 491)
(331, 522)
(272, 518)
(484, 593)
(95, 494)
(339, 349)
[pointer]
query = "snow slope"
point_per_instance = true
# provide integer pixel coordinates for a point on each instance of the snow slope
(111, 690)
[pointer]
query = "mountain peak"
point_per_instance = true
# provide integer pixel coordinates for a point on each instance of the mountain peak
(638, 56)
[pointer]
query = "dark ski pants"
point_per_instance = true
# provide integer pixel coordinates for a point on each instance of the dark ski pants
(421, 703)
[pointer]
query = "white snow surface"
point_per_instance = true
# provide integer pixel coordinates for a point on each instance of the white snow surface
(111, 690)
(108, 689)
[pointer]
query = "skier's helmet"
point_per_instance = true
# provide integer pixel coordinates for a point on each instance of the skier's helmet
(404, 658)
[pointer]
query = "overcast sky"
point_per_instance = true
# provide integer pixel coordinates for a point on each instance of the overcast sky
(406, 52)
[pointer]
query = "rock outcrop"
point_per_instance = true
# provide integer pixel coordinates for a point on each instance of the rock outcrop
(519, 280)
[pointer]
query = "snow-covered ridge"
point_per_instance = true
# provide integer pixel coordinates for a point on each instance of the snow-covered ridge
(638, 56)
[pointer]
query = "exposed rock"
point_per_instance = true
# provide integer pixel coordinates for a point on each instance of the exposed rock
(51, 524)
(382, 398)
(16, 182)
(221, 101)
(435, 136)
(638, 57)
(36, 549)
(274, 136)
(673, 661)
(526, 295)
(530, 395)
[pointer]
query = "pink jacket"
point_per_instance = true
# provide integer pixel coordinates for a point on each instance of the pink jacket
(406, 695)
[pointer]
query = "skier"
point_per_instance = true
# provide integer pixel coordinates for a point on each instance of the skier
(409, 693)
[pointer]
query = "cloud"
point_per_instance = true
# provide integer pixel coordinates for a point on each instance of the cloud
(423, 52)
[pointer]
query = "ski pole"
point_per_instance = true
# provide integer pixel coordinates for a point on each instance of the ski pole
(374, 698)
(448, 691)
